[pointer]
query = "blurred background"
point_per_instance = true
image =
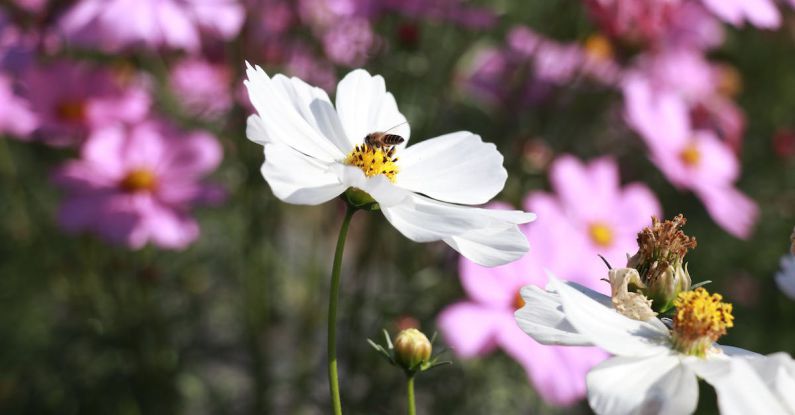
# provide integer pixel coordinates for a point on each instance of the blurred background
(146, 267)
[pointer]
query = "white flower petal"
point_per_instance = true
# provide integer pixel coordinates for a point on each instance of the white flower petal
(255, 130)
(297, 178)
(606, 328)
(457, 167)
(642, 385)
(379, 187)
(364, 106)
(486, 236)
(778, 372)
(293, 114)
(740, 390)
(491, 246)
(542, 318)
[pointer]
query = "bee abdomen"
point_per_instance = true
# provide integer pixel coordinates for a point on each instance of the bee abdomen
(393, 139)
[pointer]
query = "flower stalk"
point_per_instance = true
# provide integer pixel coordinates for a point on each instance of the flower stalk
(410, 394)
(333, 377)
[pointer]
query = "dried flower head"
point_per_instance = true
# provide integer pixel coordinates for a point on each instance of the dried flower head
(660, 260)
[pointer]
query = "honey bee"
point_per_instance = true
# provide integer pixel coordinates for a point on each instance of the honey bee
(383, 139)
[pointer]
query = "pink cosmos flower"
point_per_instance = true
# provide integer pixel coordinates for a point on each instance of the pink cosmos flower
(669, 23)
(202, 88)
(16, 118)
(760, 13)
(72, 99)
(177, 24)
(484, 321)
(600, 216)
(590, 214)
(691, 159)
(134, 185)
(349, 42)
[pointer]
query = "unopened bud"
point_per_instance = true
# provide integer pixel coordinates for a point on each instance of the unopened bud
(412, 348)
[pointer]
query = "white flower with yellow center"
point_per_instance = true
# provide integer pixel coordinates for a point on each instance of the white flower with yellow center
(314, 152)
(655, 367)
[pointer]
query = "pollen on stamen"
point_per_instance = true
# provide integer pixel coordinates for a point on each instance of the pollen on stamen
(700, 320)
(374, 161)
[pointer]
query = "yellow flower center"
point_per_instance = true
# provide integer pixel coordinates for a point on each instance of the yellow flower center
(139, 180)
(700, 320)
(600, 234)
(71, 111)
(730, 82)
(518, 301)
(690, 155)
(598, 47)
(374, 161)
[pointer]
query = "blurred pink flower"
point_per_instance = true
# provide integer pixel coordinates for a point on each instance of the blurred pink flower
(16, 118)
(178, 24)
(760, 13)
(528, 68)
(137, 185)
(590, 214)
(71, 99)
(454, 11)
(691, 159)
(599, 216)
(202, 88)
(484, 321)
(559, 63)
(655, 23)
(33, 6)
(349, 42)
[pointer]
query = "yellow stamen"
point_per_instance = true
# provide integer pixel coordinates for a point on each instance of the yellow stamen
(700, 320)
(374, 161)
(71, 111)
(601, 234)
(690, 155)
(139, 180)
(598, 47)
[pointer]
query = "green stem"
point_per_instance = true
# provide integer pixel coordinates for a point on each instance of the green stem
(333, 378)
(410, 385)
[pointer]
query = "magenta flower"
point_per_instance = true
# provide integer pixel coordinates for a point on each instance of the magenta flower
(137, 185)
(177, 24)
(16, 118)
(590, 214)
(760, 13)
(349, 42)
(72, 99)
(602, 217)
(202, 88)
(691, 159)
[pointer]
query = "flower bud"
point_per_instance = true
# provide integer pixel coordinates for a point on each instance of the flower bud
(412, 348)
(660, 261)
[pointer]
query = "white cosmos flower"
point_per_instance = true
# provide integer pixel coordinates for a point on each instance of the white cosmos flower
(647, 374)
(314, 153)
(786, 277)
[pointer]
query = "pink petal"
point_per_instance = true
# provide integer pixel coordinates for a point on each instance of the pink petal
(169, 228)
(731, 209)
(469, 329)
(556, 372)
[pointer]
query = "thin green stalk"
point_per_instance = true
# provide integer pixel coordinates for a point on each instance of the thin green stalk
(410, 385)
(333, 379)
